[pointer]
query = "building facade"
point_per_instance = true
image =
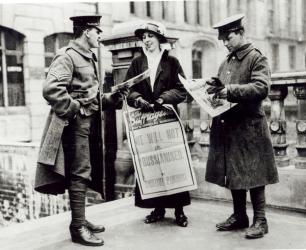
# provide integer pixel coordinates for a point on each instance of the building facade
(30, 35)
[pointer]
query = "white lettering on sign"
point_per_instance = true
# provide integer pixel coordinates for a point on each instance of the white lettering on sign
(173, 133)
(169, 180)
(161, 158)
(154, 137)
(14, 69)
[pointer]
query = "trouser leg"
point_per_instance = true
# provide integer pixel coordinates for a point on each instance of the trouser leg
(260, 226)
(78, 167)
(159, 210)
(258, 202)
(239, 202)
(239, 219)
(77, 197)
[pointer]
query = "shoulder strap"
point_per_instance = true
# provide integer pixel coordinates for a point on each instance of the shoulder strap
(68, 52)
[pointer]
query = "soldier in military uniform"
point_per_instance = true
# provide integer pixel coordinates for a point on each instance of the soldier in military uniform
(241, 156)
(70, 155)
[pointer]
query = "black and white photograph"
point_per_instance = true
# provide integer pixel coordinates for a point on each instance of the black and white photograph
(152, 125)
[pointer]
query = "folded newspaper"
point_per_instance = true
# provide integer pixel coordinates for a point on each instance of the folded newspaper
(129, 83)
(197, 88)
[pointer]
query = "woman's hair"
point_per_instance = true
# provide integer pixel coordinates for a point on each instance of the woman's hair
(159, 38)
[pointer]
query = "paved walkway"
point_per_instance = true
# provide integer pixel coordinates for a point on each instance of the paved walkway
(126, 231)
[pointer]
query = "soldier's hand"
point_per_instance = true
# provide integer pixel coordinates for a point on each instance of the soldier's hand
(217, 81)
(214, 89)
(222, 94)
(215, 85)
(214, 81)
(116, 97)
(124, 90)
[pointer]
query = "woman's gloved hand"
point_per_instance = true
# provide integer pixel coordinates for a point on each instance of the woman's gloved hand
(158, 104)
(143, 105)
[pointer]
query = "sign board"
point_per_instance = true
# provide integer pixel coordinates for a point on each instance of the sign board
(160, 152)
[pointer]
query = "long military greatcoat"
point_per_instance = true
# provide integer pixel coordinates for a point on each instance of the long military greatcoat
(168, 87)
(241, 154)
(72, 79)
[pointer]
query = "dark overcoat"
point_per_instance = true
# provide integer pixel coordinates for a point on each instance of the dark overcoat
(241, 154)
(168, 87)
(72, 79)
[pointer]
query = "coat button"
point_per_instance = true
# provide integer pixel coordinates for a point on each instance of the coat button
(228, 72)
(222, 121)
(234, 58)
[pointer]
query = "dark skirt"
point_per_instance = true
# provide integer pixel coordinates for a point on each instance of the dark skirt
(167, 201)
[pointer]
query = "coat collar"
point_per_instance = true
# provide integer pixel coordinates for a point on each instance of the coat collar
(241, 52)
(80, 48)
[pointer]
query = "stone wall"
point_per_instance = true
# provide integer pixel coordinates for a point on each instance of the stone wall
(18, 200)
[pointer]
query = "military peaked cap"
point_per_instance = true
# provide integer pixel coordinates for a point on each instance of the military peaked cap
(228, 25)
(87, 21)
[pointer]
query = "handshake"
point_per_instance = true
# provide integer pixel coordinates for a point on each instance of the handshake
(217, 88)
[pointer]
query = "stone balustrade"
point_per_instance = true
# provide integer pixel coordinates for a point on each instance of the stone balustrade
(281, 85)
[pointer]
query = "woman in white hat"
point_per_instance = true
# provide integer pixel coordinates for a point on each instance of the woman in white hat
(163, 87)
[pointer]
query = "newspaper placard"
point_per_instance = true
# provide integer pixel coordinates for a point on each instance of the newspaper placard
(197, 88)
(160, 152)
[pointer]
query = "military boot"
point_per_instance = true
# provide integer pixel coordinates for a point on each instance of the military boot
(94, 228)
(84, 236)
(258, 229)
(233, 223)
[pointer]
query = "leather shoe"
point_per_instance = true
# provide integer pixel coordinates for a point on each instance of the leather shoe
(258, 229)
(94, 228)
(233, 223)
(84, 236)
(155, 216)
(181, 220)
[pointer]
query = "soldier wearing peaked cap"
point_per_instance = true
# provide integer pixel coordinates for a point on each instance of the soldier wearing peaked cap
(70, 154)
(86, 21)
(241, 156)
